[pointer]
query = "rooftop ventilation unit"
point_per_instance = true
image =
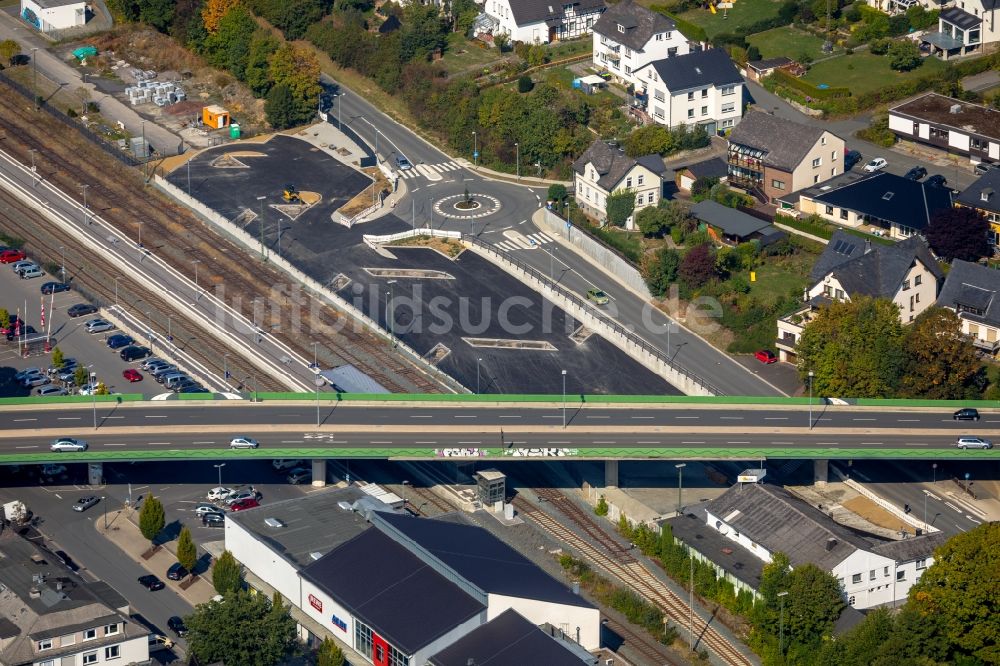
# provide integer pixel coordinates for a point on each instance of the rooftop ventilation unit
(273, 522)
(955, 108)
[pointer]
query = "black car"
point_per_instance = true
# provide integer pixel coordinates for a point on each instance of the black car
(177, 572)
(119, 340)
(937, 180)
(983, 168)
(54, 287)
(66, 560)
(966, 414)
(134, 353)
(151, 582)
(81, 309)
(214, 519)
(176, 625)
(25, 330)
(916, 173)
(851, 158)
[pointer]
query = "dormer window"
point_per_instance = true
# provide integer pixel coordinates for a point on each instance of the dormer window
(986, 194)
(887, 196)
(621, 28)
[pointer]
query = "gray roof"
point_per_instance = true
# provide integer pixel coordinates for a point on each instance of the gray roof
(779, 521)
(312, 524)
(731, 221)
(52, 4)
(713, 167)
(739, 562)
(983, 194)
(972, 286)
(640, 24)
(401, 598)
(769, 63)
(843, 246)
(698, 69)
(612, 164)
(348, 379)
(507, 639)
(916, 548)
(785, 142)
(878, 272)
(960, 18)
(886, 196)
(526, 12)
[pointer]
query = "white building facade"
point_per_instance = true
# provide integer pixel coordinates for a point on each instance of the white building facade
(51, 15)
(534, 22)
(627, 37)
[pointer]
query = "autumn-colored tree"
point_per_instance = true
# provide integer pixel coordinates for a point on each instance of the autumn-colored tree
(297, 67)
(959, 233)
(8, 49)
(698, 266)
(213, 11)
(941, 362)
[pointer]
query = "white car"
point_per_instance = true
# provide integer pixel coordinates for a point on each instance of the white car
(88, 389)
(219, 493)
(877, 164)
(239, 496)
(98, 326)
(243, 443)
(68, 444)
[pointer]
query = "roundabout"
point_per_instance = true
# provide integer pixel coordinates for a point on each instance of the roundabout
(467, 206)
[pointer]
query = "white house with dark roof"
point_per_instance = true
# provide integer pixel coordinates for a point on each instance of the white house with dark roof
(700, 88)
(762, 520)
(605, 168)
(628, 36)
(972, 291)
(984, 196)
(541, 21)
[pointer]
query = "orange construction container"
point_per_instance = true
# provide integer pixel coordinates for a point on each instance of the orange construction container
(215, 116)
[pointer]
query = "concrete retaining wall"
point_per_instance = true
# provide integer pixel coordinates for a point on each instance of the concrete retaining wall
(620, 268)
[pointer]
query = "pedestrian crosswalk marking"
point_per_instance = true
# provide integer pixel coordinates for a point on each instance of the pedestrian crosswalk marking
(429, 170)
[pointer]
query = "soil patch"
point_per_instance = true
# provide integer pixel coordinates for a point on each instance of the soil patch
(876, 515)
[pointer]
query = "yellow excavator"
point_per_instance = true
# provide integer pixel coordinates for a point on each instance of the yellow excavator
(291, 195)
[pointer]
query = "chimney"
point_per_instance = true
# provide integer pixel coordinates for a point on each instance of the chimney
(59, 586)
(868, 245)
(986, 194)
(831, 543)
(955, 108)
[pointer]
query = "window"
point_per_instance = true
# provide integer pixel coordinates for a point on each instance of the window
(833, 155)
(729, 107)
(856, 578)
(650, 197)
(379, 654)
(111, 630)
(815, 179)
(704, 93)
(659, 96)
(917, 280)
(45, 644)
(89, 634)
(871, 575)
(628, 182)
(840, 297)
(659, 36)
(822, 140)
(621, 28)
(112, 652)
(397, 658)
(628, 70)
(690, 113)
(672, 51)
(691, 96)
(818, 161)
(906, 285)
(900, 576)
(921, 564)
(47, 662)
(628, 52)
(885, 571)
(638, 200)
(362, 637)
(728, 123)
(829, 209)
(704, 110)
(90, 657)
(658, 111)
(833, 172)
(640, 178)
(728, 90)
(916, 297)
(68, 639)
(778, 184)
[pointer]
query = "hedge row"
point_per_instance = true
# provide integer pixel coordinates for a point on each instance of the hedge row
(784, 78)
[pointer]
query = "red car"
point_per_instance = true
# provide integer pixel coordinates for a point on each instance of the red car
(10, 256)
(132, 375)
(765, 356)
(244, 504)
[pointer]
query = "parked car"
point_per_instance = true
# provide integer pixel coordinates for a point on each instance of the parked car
(243, 443)
(183, 385)
(403, 163)
(68, 444)
(966, 414)
(81, 309)
(25, 330)
(219, 493)
(53, 469)
(98, 326)
(851, 157)
(300, 475)
(49, 391)
(204, 508)
(32, 272)
(193, 388)
(134, 353)
(281, 465)
(89, 388)
(119, 340)
(150, 361)
(35, 380)
(85, 503)
(20, 266)
(177, 572)
(216, 519)
(9, 256)
(937, 180)
(172, 376)
(240, 495)
(132, 375)
(162, 369)
(765, 356)
(68, 375)
(67, 364)
(54, 287)
(597, 296)
(151, 582)
(974, 443)
(26, 372)
(980, 169)
(916, 173)
(242, 505)
(176, 625)
(877, 164)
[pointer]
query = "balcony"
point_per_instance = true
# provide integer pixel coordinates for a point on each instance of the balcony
(790, 327)
(985, 345)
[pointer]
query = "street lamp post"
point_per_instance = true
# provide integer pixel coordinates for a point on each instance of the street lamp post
(34, 172)
(93, 395)
(105, 505)
(517, 147)
(34, 64)
(196, 262)
(340, 123)
(781, 623)
(478, 361)
(62, 252)
(263, 256)
(170, 328)
(116, 290)
(680, 484)
(810, 399)
(564, 398)
(219, 467)
(317, 380)
(475, 150)
(405, 483)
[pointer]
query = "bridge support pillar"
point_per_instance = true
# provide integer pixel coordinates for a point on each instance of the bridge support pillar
(821, 472)
(610, 473)
(319, 472)
(95, 474)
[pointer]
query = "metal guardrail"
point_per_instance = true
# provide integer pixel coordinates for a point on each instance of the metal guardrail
(580, 302)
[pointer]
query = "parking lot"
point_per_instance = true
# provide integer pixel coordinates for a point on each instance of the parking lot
(23, 297)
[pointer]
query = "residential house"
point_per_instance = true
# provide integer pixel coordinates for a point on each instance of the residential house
(629, 36)
(973, 292)
(905, 273)
(713, 167)
(772, 156)
(758, 69)
(700, 88)
(605, 168)
(731, 226)
(49, 615)
(963, 128)
(539, 22)
(757, 520)
(883, 203)
(984, 196)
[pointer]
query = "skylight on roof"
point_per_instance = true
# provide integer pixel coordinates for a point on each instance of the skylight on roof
(887, 196)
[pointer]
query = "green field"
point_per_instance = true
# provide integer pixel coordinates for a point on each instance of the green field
(788, 41)
(864, 72)
(743, 13)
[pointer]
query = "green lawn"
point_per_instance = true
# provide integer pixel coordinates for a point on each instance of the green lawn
(778, 277)
(743, 13)
(462, 55)
(790, 42)
(863, 72)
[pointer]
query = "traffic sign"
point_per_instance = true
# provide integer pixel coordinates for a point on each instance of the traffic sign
(475, 155)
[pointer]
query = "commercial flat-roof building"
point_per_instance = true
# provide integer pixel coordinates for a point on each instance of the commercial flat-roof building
(950, 124)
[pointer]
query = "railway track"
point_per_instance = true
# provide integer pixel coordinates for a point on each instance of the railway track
(117, 194)
(651, 652)
(629, 571)
(426, 496)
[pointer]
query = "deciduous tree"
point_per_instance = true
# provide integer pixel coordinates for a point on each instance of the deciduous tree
(279, 108)
(297, 68)
(227, 574)
(243, 629)
(861, 645)
(8, 49)
(258, 71)
(854, 348)
(229, 46)
(649, 140)
(698, 266)
(904, 55)
(329, 654)
(618, 206)
(151, 518)
(213, 11)
(660, 270)
(187, 552)
(941, 362)
(959, 233)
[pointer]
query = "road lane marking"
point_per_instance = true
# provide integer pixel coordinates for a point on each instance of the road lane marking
(425, 442)
(784, 443)
(687, 417)
(472, 442)
(155, 416)
(871, 443)
(421, 416)
(731, 418)
(465, 417)
(647, 443)
(158, 443)
(203, 442)
(775, 418)
(907, 420)
(598, 417)
(863, 419)
(503, 416)
(114, 417)
(19, 420)
(115, 444)
(68, 418)
(737, 442)
(643, 417)
(603, 442)
(551, 416)
(952, 507)
(973, 519)
(26, 447)
(692, 442)
(284, 441)
(826, 443)
(917, 444)
(559, 442)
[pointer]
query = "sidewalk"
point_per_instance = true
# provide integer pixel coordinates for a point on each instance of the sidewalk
(527, 181)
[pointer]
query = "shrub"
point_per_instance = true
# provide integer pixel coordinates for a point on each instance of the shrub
(525, 84)
(880, 46)
(904, 55)
(602, 507)
(785, 79)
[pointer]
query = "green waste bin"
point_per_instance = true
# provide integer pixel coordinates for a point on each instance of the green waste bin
(234, 131)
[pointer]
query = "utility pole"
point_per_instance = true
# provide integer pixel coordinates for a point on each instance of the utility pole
(34, 64)
(263, 254)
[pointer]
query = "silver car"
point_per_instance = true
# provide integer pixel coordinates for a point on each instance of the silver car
(85, 503)
(98, 326)
(243, 443)
(68, 444)
(45, 391)
(36, 380)
(974, 443)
